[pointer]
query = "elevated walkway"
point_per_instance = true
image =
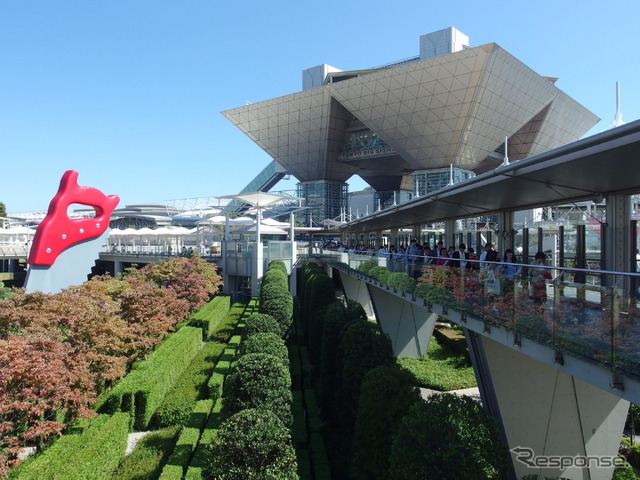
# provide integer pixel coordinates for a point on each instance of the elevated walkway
(559, 379)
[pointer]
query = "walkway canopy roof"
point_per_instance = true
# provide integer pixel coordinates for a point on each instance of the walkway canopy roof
(259, 199)
(591, 168)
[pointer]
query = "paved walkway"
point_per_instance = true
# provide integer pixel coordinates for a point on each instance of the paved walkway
(469, 392)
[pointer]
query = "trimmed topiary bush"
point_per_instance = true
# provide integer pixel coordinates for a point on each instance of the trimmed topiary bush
(277, 264)
(277, 302)
(386, 394)
(265, 343)
(450, 437)
(252, 445)
(338, 318)
(363, 347)
(275, 276)
(262, 323)
(210, 316)
(258, 380)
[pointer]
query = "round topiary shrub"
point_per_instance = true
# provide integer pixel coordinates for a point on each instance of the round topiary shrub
(265, 343)
(252, 445)
(262, 323)
(258, 380)
(274, 277)
(448, 436)
(277, 264)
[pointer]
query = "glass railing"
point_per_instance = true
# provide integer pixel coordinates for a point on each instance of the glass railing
(599, 323)
(159, 251)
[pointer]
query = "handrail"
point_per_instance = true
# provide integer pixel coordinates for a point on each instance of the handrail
(546, 267)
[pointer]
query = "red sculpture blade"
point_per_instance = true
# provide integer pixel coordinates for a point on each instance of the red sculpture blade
(57, 231)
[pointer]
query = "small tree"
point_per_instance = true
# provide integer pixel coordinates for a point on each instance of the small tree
(450, 437)
(42, 384)
(252, 445)
(192, 278)
(258, 380)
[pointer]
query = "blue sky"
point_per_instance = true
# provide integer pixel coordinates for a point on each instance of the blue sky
(129, 93)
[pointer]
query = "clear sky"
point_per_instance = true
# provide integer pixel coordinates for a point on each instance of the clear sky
(129, 93)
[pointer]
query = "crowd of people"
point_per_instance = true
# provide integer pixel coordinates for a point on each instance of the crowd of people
(463, 257)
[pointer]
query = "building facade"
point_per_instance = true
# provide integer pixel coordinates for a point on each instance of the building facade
(453, 107)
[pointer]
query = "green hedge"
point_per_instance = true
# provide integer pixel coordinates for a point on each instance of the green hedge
(277, 264)
(201, 453)
(448, 436)
(187, 442)
(178, 404)
(142, 391)
(216, 382)
(321, 468)
(229, 324)
(299, 428)
(149, 455)
(209, 317)
(95, 454)
(48, 462)
(101, 454)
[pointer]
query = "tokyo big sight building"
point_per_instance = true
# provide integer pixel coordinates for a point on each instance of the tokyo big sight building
(410, 127)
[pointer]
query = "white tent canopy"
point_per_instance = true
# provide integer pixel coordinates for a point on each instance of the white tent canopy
(264, 230)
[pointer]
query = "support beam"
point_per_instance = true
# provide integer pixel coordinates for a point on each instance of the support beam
(554, 414)
(616, 248)
(409, 325)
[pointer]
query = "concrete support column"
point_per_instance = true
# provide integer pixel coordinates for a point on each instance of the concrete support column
(506, 237)
(416, 233)
(616, 246)
(449, 233)
(547, 413)
(393, 239)
(117, 267)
